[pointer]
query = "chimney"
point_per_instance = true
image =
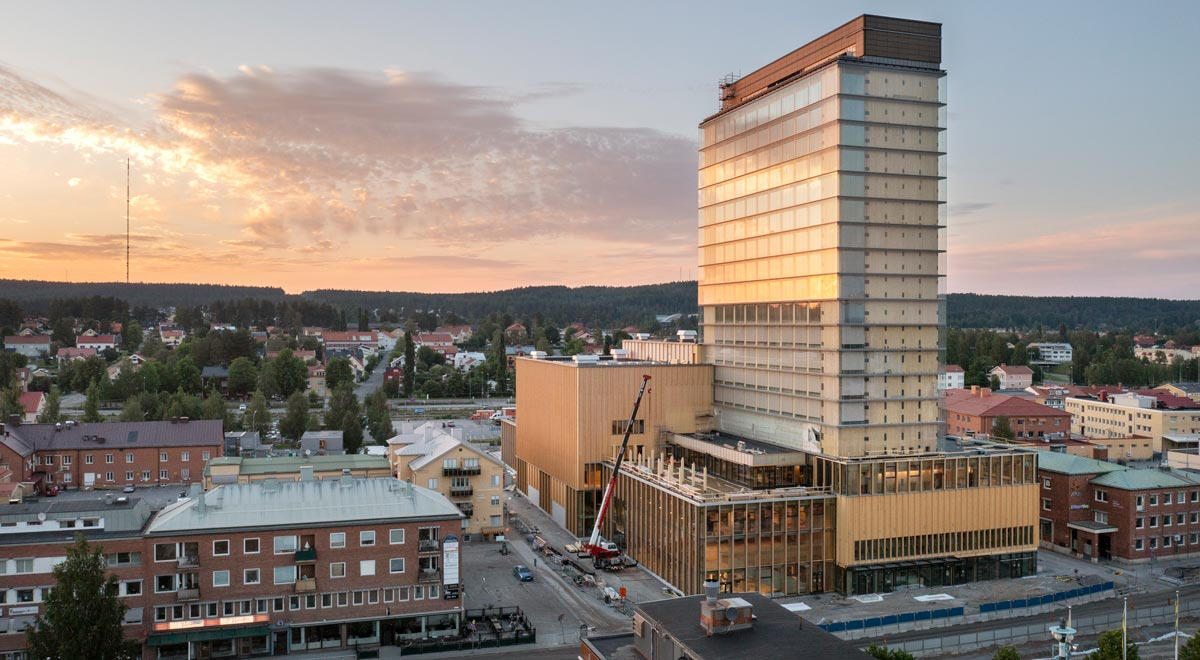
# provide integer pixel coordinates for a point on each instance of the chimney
(711, 588)
(975, 390)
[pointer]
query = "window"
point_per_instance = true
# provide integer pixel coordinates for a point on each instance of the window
(1137, 544)
(366, 567)
(145, 475)
(396, 565)
(183, 456)
(495, 480)
(166, 552)
(1153, 521)
(395, 536)
(108, 458)
(185, 474)
(432, 483)
(164, 583)
(129, 457)
(162, 456)
(1166, 520)
(337, 569)
(1045, 483)
(342, 599)
(133, 588)
(366, 538)
(294, 602)
(449, 463)
(88, 460)
(358, 597)
(1166, 499)
(262, 606)
(1102, 517)
(251, 576)
(1138, 523)
(108, 476)
(160, 613)
(310, 602)
(1166, 541)
(204, 455)
(250, 546)
(162, 475)
(1045, 504)
(1194, 518)
(433, 591)
(129, 475)
(372, 596)
(285, 574)
(418, 593)
(285, 545)
(220, 578)
(1102, 496)
(277, 604)
(401, 593)
(326, 600)
(495, 521)
(50, 459)
(1179, 519)
(495, 500)
(1153, 542)
(337, 540)
(66, 459)
(1154, 500)
(24, 566)
(220, 548)
(619, 426)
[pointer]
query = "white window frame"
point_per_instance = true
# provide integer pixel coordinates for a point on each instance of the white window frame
(224, 573)
(246, 576)
(366, 568)
(340, 564)
(392, 536)
(392, 567)
(257, 542)
(228, 548)
(337, 540)
(363, 537)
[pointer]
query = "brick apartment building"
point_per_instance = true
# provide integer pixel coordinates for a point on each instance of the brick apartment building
(974, 412)
(110, 454)
(253, 569)
(1101, 510)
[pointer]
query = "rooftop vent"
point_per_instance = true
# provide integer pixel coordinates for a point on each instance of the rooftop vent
(619, 354)
(585, 359)
(719, 616)
(537, 355)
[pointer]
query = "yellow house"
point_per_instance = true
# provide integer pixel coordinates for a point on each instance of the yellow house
(437, 458)
(243, 470)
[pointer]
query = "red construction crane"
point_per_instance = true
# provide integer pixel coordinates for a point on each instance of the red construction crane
(598, 548)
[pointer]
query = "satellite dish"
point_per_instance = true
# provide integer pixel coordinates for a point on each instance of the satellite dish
(42, 516)
(731, 613)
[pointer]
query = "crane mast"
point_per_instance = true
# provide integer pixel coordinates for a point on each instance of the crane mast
(593, 545)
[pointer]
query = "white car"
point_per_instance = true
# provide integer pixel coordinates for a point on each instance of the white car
(242, 408)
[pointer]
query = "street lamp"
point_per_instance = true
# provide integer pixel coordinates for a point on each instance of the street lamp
(1063, 634)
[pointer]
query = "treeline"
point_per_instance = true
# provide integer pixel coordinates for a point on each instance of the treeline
(35, 296)
(972, 310)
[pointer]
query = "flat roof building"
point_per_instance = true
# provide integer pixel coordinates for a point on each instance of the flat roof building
(242, 470)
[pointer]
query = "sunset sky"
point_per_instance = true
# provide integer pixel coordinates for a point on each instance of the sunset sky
(474, 146)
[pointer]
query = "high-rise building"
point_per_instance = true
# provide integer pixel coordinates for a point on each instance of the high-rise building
(820, 194)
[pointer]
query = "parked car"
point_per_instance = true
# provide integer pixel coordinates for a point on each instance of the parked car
(523, 574)
(52, 490)
(129, 488)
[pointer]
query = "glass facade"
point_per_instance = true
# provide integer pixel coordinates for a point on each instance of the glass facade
(883, 578)
(821, 229)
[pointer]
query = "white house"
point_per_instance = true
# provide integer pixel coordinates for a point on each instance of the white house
(1013, 377)
(31, 346)
(1056, 353)
(96, 342)
(952, 378)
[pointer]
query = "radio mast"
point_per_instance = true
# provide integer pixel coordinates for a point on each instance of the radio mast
(127, 220)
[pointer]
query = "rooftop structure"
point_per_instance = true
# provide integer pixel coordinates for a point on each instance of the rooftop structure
(235, 469)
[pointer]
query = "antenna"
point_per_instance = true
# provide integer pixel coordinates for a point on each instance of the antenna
(127, 220)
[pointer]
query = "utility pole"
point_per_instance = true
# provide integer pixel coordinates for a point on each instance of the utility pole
(1124, 626)
(1176, 624)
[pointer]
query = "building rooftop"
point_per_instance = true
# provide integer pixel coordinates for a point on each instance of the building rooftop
(119, 518)
(115, 436)
(1062, 463)
(1142, 479)
(774, 628)
(994, 405)
(604, 361)
(291, 464)
(282, 504)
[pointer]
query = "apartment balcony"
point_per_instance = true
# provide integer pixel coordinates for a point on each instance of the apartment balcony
(189, 561)
(306, 555)
(461, 491)
(428, 546)
(184, 595)
(429, 575)
(306, 585)
(461, 471)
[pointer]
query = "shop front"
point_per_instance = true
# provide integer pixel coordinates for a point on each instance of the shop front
(238, 642)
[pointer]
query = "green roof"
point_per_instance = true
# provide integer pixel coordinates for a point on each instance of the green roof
(1063, 463)
(291, 464)
(1142, 479)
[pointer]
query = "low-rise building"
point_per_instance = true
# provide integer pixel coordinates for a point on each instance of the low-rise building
(31, 346)
(350, 340)
(69, 353)
(110, 454)
(171, 337)
(952, 378)
(96, 342)
(1189, 390)
(33, 403)
(458, 333)
(244, 470)
(1013, 377)
(977, 411)
(441, 460)
(1052, 352)
(322, 442)
(1049, 395)
(1128, 414)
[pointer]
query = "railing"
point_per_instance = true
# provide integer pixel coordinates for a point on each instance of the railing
(426, 545)
(461, 471)
(461, 491)
(306, 555)
(189, 561)
(305, 585)
(429, 575)
(188, 594)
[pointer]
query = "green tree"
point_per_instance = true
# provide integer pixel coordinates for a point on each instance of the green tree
(1191, 649)
(338, 371)
(410, 363)
(295, 420)
(214, 408)
(50, 414)
(342, 404)
(1002, 428)
(1108, 647)
(994, 382)
(10, 361)
(258, 416)
(64, 332)
(243, 376)
(188, 375)
(884, 653)
(363, 323)
(131, 335)
(83, 615)
(290, 373)
(10, 404)
(352, 435)
(379, 420)
(132, 412)
(1006, 653)
(91, 406)
(501, 357)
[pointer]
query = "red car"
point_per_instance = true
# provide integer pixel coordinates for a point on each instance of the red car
(52, 490)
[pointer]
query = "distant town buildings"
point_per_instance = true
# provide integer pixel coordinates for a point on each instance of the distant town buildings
(953, 378)
(1052, 352)
(978, 412)
(1013, 377)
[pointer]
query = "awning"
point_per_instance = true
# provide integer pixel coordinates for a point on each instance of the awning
(1092, 526)
(206, 635)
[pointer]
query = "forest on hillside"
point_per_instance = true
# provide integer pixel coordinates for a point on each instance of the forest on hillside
(607, 306)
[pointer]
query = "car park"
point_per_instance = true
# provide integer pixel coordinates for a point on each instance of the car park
(523, 574)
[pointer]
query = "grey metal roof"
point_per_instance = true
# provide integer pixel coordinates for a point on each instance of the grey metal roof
(1064, 463)
(214, 372)
(311, 440)
(272, 503)
(119, 435)
(120, 518)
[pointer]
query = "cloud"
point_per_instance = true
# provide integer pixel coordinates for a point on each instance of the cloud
(308, 155)
(967, 208)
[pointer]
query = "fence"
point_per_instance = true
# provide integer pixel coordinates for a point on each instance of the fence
(1037, 601)
(891, 620)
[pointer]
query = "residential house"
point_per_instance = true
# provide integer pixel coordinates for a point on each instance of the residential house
(33, 403)
(467, 360)
(1013, 377)
(459, 333)
(70, 353)
(98, 343)
(436, 456)
(1049, 395)
(350, 340)
(33, 347)
(1189, 390)
(215, 376)
(307, 356)
(974, 412)
(515, 332)
(953, 378)
(1052, 352)
(171, 337)
(439, 341)
(316, 379)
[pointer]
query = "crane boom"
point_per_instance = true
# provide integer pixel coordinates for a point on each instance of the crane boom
(593, 544)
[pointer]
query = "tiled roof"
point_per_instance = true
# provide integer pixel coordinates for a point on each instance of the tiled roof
(1141, 479)
(13, 340)
(953, 369)
(120, 435)
(994, 405)
(95, 339)
(31, 400)
(352, 336)
(1064, 463)
(1015, 369)
(72, 352)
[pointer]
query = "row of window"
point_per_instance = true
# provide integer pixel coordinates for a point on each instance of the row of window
(1193, 518)
(282, 574)
(163, 475)
(288, 544)
(1193, 539)
(89, 459)
(928, 544)
(294, 603)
